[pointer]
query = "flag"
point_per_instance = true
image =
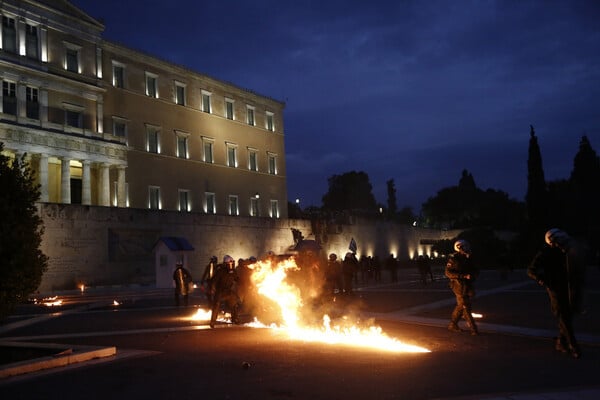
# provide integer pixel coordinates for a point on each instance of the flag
(352, 245)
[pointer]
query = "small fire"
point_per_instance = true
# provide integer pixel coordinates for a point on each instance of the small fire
(116, 303)
(272, 282)
(49, 301)
(204, 315)
(476, 315)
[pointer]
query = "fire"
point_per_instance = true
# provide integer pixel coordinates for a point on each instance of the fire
(477, 315)
(272, 282)
(49, 301)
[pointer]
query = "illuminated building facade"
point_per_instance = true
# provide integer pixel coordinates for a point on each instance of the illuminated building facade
(106, 125)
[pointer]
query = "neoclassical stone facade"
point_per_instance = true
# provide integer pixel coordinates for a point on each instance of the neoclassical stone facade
(106, 125)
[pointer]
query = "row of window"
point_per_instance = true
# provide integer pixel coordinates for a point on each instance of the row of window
(180, 90)
(210, 205)
(182, 148)
(30, 47)
(73, 117)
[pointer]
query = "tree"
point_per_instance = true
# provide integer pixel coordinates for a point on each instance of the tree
(391, 200)
(586, 192)
(467, 206)
(351, 191)
(536, 198)
(22, 262)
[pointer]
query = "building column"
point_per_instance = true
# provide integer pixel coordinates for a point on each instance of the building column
(104, 185)
(121, 189)
(43, 176)
(86, 190)
(65, 180)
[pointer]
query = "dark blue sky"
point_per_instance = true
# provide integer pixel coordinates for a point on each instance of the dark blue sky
(414, 91)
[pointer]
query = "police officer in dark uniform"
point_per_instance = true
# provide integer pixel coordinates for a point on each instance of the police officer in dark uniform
(225, 291)
(182, 279)
(462, 272)
(209, 272)
(559, 268)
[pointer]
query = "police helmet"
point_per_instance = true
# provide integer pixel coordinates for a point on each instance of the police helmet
(228, 259)
(555, 237)
(462, 245)
(213, 259)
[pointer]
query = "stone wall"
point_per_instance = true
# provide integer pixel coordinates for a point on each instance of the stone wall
(103, 246)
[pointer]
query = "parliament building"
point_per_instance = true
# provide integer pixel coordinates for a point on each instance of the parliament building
(106, 125)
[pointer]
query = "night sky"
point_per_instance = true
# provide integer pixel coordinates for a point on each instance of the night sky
(414, 91)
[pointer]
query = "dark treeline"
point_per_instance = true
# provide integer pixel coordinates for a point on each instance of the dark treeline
(487, 215)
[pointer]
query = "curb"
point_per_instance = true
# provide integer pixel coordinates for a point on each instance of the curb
(65, 355)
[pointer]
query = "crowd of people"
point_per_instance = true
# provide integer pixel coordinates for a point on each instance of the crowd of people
(559, 267)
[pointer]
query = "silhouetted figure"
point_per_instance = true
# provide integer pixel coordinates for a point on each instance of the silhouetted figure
(462, 273)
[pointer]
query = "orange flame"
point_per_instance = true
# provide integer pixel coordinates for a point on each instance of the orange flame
(271, 283)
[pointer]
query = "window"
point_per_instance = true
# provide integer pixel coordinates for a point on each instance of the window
(252, 160)
(119, 127)
(32, 103)
(118, 72)
(184, 197)
(208, 150)
(233, 205)
(269, 121)
(250, 115)
(72, 54)
(206, 101)
(229, 109)
(182, 144)
(9, 97)
(272, 163)
(31, 41)
(154, 198)
(152, 139)
(9, 35)
(180, 93)
(274, 209)
(231, 155)
(73, 118)
(210, 203)
(151, 85)
(254, 206)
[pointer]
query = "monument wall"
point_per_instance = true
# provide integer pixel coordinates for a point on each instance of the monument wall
(106, 246)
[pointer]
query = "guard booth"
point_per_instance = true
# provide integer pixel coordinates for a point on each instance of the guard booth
(169, 250)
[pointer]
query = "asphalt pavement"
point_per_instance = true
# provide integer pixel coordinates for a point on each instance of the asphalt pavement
(131, 342)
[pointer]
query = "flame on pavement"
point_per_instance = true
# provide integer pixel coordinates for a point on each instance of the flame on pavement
(300, 320)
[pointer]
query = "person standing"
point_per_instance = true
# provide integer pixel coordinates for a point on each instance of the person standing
(349, 269)
(182, 279)
(209, 273)
(559, 267)
(225, 284)
(462, 273)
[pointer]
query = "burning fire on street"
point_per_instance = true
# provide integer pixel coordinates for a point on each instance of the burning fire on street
(297, 318)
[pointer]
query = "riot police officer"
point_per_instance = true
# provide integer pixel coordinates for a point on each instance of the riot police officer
(462, 273)
(225, 291)
(559, 268)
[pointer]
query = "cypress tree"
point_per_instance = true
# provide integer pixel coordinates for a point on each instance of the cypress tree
(536, 198)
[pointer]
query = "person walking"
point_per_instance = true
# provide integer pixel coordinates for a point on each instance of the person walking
(182, 279)
(462, 273)
(559, 267)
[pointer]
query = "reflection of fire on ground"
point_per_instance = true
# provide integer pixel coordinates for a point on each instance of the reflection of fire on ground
(288, 299)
